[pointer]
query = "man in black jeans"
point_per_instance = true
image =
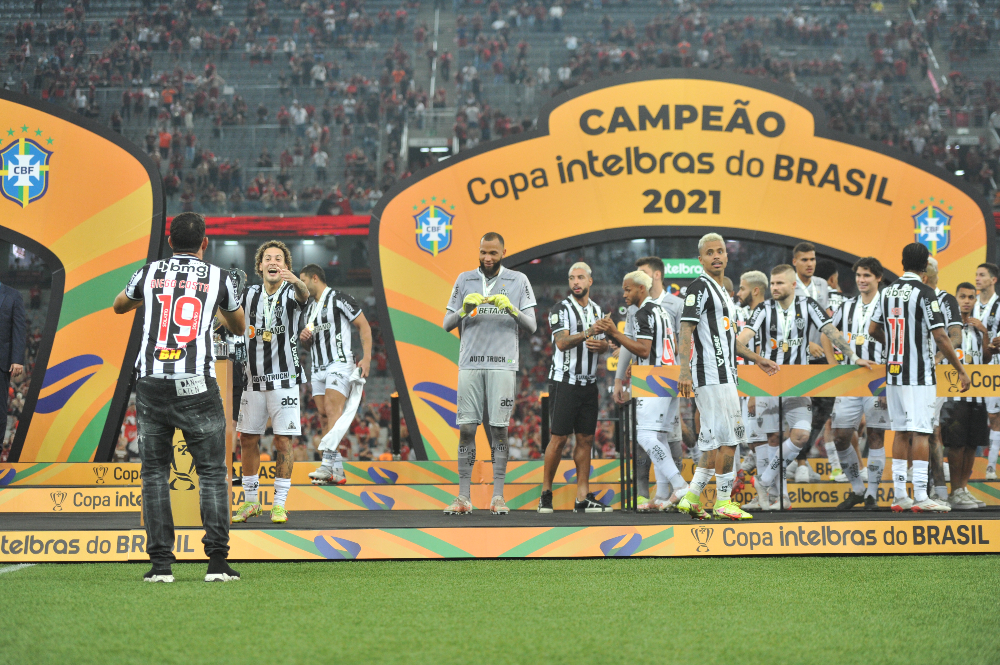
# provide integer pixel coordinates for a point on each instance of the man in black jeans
(177, 389)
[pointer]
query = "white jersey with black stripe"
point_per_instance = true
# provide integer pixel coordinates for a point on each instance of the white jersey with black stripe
(181, 296)
(785, 334)
(330, 321)
(989, 314)
(576, 366)
(272, 338)
(713, 341)
(853, 319)
(909, 312)
(972, 354)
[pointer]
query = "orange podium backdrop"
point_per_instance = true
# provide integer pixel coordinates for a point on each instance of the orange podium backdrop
(665, 153)
(90, 204)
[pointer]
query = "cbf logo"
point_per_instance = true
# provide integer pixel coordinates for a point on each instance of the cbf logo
(24, 169)
(932, 226)
(434, 226)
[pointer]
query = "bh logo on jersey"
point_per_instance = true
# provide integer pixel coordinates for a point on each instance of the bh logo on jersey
(434, 226)
(24, 169)
(932, 226)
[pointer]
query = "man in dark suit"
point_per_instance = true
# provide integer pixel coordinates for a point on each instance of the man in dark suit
(12, 337)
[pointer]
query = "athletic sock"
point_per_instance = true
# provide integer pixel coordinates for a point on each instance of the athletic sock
(991, 460)
(642, 466)
(499, 462)
(876, 464)
(899, 478)
(250, 485)
(698, 482)
(919, 480)
(724, 487)
(338, 461)
(831, 454)
(328, 457)
(941, 492)
(852, 467)
(763, 454)
(281, 487)
(790, 451)
(466, 460)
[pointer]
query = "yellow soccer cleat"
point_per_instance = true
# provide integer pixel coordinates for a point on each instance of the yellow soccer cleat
(730, 510)
(279, 515)
(246, 511)
(690, 506)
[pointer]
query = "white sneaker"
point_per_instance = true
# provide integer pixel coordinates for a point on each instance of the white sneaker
(792, 467)
(838, 476)
(802, 474)
(929, 505)
(752, 505)
(969, 496)
(902, 505)
(991, 473)
(864, 475)
(957, 501)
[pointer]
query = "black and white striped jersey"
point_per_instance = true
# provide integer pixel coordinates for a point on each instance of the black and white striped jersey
(713, 341)
(785, 334)
(650, 321)
(972, 354)
(951, 313)
(908, 311)
(272, 338)
(990, 316)
(852, 319)
(330, 319)
(181, 296)
(743, 314)
(578, 365)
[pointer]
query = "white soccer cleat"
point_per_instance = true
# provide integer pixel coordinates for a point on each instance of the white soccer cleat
(324, 475)
(753, 505)
(802, 474)
(460, 506)
(498, 506)
(902, 505)
(991, 473)
(929, 505)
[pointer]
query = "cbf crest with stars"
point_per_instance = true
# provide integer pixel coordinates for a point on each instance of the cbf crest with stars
(434, 226)
(932, 225)
(24, 170)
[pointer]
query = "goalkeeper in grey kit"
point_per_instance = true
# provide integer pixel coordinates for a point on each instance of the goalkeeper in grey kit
(489, 306)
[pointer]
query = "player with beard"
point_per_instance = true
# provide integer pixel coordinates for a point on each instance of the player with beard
(488, 306)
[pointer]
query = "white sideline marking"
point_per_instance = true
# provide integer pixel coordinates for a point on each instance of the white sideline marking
(11, 569)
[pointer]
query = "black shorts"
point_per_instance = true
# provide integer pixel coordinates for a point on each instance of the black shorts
(964, 425)
(573, 409)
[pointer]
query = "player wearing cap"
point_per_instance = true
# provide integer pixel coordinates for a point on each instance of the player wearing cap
(488, 306)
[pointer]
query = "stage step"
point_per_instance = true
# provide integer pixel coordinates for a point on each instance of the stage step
(358, 473)
(522, 496)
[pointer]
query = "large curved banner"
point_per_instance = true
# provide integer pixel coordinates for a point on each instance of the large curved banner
(658, 154)
(90, 204)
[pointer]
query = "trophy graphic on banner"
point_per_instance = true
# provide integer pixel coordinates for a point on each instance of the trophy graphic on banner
(703, 534)
(100, 472)
(57, 498)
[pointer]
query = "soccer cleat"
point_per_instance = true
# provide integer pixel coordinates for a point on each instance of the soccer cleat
(279, 515)
(753, 504)
(545, 502)
(219, 571)
(870, 503)
(589, 505)
(850, 501)
(838, 476)
(246, 511)
(664, 505)
(159, 575)
(902, 505)
(802, 473)
(460, 506)
(991, 473)
(959, 502)
(929, 505)
(730, 510)
(498, 506)
(749, 462)
(644, 505)
(691, 507)
(324, 475)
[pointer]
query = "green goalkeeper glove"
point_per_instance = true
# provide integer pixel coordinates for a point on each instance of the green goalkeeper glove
(502, 303)
(471, 302)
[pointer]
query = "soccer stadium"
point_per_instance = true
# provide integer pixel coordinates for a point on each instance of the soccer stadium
(505, 316)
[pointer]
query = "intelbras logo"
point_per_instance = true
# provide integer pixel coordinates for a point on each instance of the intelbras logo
(682, 268)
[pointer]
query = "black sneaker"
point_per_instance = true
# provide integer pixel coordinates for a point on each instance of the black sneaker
(219, 571)
(850, 501)
(871, 503)
(591, 505)
(545, 502)
(159, 574)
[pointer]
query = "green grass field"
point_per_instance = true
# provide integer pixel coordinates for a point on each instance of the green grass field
(695, 611)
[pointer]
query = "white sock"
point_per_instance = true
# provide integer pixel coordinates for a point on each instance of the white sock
(941, 491)
(919, 480)
(250, 485)
(328, 458)
(831, 454)
(876, 464)
(899, 478)
(281, 486)
(665, 470)
(698, 482)
(852, 467)
(338, 461)
(991, 458)
(790, 451)
(724, 487)
(763, 454)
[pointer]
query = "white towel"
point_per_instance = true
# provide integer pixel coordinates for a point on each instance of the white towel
(339, 429)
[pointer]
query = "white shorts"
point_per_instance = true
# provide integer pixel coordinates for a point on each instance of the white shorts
(755, 430)
(652, 414)
(332, 377)
(992, 404)
(721, 416)
(911, 408)
(938, 404)
(280, 405)
(847, 412)
(674, 420)
(797, 412)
